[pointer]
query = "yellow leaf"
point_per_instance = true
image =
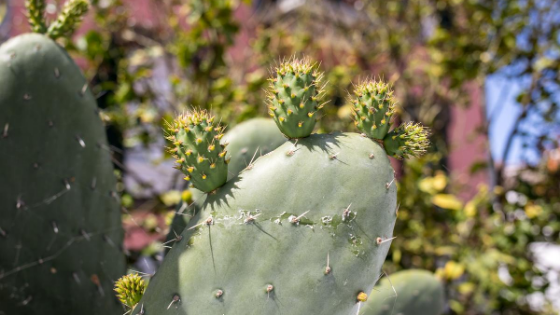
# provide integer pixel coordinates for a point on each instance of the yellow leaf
(532, 210)
(447, 201)
(433, 185)
(453, 270)
(470, 209)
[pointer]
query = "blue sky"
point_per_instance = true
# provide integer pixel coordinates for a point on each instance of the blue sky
(503, 109)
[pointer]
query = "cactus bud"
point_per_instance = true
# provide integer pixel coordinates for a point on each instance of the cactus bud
(373, 107)
(200, 158)
(130, 289)
(297, 88)
(407, 140)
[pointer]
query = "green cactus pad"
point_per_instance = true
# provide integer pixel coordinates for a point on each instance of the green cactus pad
(60, 219)
(373, 107)
(407, 140)
(196, 145)
(246, 142)
(294, 97)
(419, 292)
(302, 232)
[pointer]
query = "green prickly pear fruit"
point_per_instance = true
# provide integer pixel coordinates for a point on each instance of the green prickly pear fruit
(130, 289)
(294, 97)
(407, 140)
(245, 142)
(60, 218)
(196, 144)
(374, 107)
(301, 232)
(418, 292)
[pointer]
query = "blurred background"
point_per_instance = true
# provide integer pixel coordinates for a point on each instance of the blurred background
(481, 209)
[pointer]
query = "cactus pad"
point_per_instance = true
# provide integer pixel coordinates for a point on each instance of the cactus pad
(280, 239)
(196, 144)
(419, 292)
(294, 97)
(60, 219)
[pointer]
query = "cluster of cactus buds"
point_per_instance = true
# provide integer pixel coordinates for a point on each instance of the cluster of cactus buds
(65, 24)
(374, 106)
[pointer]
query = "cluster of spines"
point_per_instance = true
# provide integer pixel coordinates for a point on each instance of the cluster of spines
(407, 140)
(294, 97)
(195, 139)
(130, 289)
(66, 23)
(373, 108)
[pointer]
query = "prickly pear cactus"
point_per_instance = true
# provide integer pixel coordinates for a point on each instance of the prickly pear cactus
(418, 292)
(60, 227)
(304, 231)
(246, 142)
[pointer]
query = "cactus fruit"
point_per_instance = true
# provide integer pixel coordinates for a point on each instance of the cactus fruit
(130, 289)
(245, 142)
(60, 220)
(294, 97)
(196, 144)
(418, 292)
(318, 240)
(374, 107)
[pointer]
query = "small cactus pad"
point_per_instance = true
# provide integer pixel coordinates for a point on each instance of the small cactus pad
(249, 140)
(294, 97)
(60, 216)
(373, 107)
(196, 144)
(130, 289)
(407, 140)
(246, 142)
(418, 292)
(267, 237)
